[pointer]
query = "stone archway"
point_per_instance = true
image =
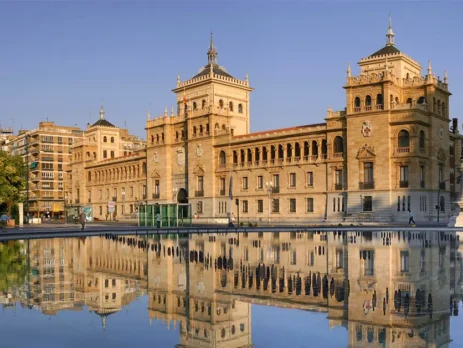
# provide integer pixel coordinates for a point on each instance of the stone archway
(182, 196)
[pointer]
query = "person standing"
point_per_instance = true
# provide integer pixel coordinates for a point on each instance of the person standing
(410, 218)
(158, 220)
(82, 220)
(4, 220)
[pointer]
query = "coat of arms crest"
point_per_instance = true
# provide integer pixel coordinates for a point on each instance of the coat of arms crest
(366, 128)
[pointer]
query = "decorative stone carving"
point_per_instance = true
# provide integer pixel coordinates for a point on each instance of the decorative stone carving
(199, 150)
(366, 129)
(180, 157)
(366, 151)
(155, 157)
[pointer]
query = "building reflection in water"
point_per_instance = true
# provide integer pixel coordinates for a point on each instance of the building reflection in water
(392, 289)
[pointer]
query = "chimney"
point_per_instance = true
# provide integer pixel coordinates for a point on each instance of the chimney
(454, 125)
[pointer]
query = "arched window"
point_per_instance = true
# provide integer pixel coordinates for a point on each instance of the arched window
(379, 99)
(297, 151)
(240, 108)
(439, 110)
(434, 105)
(194, 106)
(105, 139)
(242, 156)
(194, 130)
(257, 154)
(222, 158)
(235, 157)
(409, 101)
(404, 139)
(444, 111)
(314, 148)
(249, 155)
(143, 168)
(306, 148)
(203, 104)
(112, 139)
(89, 176)
(289, 151)
(162, 137)
(397, 100)
(157, 138)
(201, 130)
(176, 135)
(338, 145)
(152, 139)
(221, 103)
(272, 152)
(421, 139)
(324, 147)
(280, 151)
(357, 103)
(368, 100)
(264, 153)
(230, 106)
(421, 100)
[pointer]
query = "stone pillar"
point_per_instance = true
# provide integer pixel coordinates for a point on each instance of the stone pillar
(21, 214)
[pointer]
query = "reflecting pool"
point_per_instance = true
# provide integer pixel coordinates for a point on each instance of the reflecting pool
(329, 289)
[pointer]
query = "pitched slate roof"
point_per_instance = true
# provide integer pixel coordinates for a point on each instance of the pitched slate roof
(104, 123)
(218, 70)
(386, 50)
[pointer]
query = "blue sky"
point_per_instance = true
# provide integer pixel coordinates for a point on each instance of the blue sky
(61, 59)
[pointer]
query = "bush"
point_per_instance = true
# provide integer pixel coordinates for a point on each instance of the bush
(249, 224)
(241, 224)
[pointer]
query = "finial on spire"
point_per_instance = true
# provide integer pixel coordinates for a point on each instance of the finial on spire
(349, 73)
(148, 116)
(165, 111)
(102, 112)
(172, 111)
(446, 77)
(429, 67)
(247, 78)
(390, 34)
(212, 52)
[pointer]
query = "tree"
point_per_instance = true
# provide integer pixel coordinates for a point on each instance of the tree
(13, 266)
(12, 179)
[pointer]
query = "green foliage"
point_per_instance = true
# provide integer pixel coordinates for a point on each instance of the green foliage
(12, 179)
(13, 266)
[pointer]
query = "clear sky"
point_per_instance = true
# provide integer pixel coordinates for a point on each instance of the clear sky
(62, 59)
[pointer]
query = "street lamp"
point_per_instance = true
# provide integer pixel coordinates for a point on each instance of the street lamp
(27, 178)
(123, 201)
(269, 188)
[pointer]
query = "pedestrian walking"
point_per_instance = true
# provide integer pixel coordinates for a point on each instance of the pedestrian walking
(4, 220)
(410, 218)
(158, 220)
(82, 220)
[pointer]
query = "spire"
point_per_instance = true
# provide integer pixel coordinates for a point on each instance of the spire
(446, 77)
(348, 70)
(165, 111)
(390, 34)
(172, 111)
(102, 112)
(212, 52)
(178, 80)
(429, 67)
(148, 117)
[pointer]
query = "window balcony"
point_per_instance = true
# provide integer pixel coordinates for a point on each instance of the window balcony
(114, 198)
(366, 185)
(276, 189)
(403, 149)
(403, 183)
(422, 185)
(338, 186)
(222, 192)
(156, 195)
(199, 193)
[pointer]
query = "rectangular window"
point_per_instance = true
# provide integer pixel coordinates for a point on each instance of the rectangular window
(339, 258)
(131, 191)
(222, 185)
(368, 258)
(404, 259)
(398, 203)
(245, 206)
(422, 177)
(292, 205)
(260, 182)
(101, 210)
(199, 207)
(338, 179)
(367, 203)
(311, 258)
(107, 193)
(115, 194)
(309, 178)
(101, 194)
(156, 187)
(292, 179)
(276, 180)
(245, 182)
(409, 203)
(112, 154)
(200, 183)
(105, 154)
(404, 176)
(260, 206)
(275, 205)
(310, 205)
(368, 172)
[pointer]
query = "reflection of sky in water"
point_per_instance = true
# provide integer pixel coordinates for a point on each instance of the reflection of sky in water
(372, 263)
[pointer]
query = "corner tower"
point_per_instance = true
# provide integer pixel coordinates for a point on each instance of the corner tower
(214, 93)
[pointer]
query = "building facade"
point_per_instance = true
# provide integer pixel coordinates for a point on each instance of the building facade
(390, 150)
(47, 151)
(108, 171)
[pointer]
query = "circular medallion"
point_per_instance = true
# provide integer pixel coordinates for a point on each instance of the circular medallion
(441, 133)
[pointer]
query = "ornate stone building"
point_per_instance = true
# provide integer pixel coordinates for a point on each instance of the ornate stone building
(108, 165)
(388, 151)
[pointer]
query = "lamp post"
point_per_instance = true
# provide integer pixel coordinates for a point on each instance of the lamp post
(269, 188)
(123, 201)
